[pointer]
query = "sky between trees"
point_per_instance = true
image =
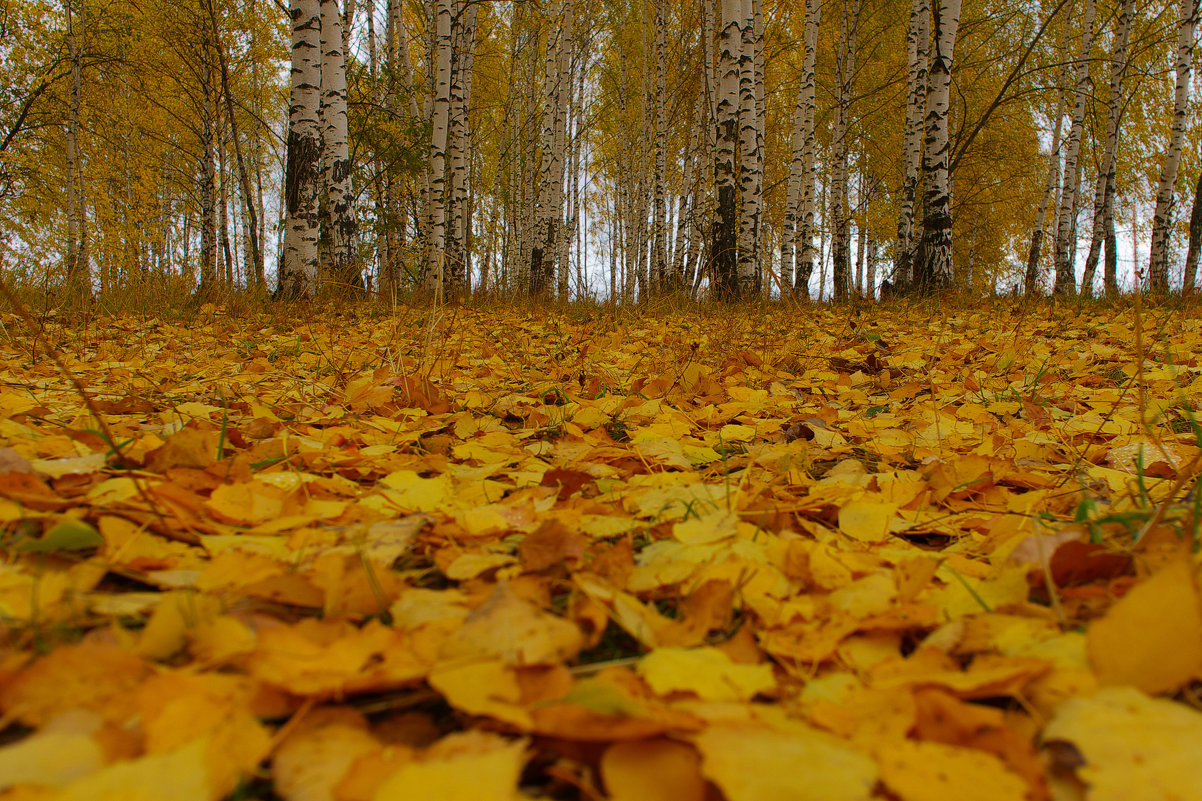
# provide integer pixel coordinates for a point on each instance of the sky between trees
(580, 147)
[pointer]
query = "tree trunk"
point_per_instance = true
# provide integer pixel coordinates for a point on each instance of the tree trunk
(1103, 191)
(1031, 277)
(455, 277)
(723, 248)
(809, 154)
(254, 244)
(1112, 257)
(79, 279)
(800, 170)
(761, 120)
(548, 203)
(1066, 278)
(563, 101)
(686, 205)
(1162, 220)
(439, 125)
(918, 58)
(298, 261)
(1195, 241)
(845, 69)
(933, 263)
(751, 174)
(659, 188)
(340, 208)
(208, 172)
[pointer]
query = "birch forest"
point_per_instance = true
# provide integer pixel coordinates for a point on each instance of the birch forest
(600, 400)
(590, 149)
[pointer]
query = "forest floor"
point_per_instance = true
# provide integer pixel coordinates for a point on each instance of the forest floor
(755, 555)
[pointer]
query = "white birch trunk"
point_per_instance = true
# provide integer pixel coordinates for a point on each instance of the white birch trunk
(1162, 219)
(845, 75)
(455, 276)
(1066, 278)
(917, 57)
(1195, 242)
(346, 23)
(79, 278)
(1031, 278)
(208, 173)
(439, 124)
(340, 210)
(660, 236)
(724, 246)
(564, 80)
(807, 225)
(1103, 190)
(298, 262)
(688, 192)
(549, 203)
(933, 267)
(751, 174)
(761, 120)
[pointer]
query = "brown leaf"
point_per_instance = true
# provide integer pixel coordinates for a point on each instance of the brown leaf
(550, 544)
(189, 447)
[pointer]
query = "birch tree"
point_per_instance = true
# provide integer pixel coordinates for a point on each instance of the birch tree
(1195, 242)
(751, 172)
(686, 204)
(845, 68)
(660, 232)
(1052, 184)
(298, 262)
(1162, 222)
(455, 276)
(432, 271)
(549, 202)
(1104, 188)
(564, 81)
(208, 169)
(801, 166)
(917, 59)
(933, 265)
(340, 212)
(724, 244)
(254, 241)
(1066, 279)
(78, 274)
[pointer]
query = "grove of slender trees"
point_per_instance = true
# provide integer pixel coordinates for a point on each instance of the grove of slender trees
(621, 149)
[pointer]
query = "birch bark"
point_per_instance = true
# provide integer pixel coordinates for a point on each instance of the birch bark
(918, 58)
(549, 203)
(688, 190)
(298, 262)
(803, 134)
(751, 174)
(79, 278)
(208, 172)
(455, 277)
(1066, 278)
(439, 124)
(724, 244)
(1195, 242)
(340, 209)
(254, 242)
(1031, 277)
(660, 235)
(563, 99)
(845, 60)
(933, 265)
(1162, 219)
(1104, 189)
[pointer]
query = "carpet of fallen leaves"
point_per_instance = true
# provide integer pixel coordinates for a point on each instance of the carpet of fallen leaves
(497, 554)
